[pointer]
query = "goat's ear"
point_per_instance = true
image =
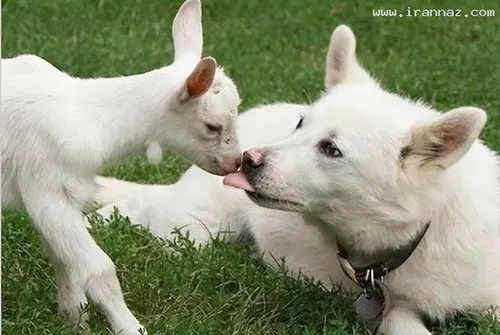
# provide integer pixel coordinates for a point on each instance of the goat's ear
(341, 64)
(200, 80)
(187, 31)
(442, 142)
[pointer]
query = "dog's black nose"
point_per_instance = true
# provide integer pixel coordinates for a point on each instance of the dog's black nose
(252, 161)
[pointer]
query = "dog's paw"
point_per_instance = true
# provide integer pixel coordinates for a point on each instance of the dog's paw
(401, 320)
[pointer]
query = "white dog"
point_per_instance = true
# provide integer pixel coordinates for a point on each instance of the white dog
(382, 177)
(57, 131)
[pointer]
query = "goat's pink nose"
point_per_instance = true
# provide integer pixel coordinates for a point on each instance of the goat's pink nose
(252, 158)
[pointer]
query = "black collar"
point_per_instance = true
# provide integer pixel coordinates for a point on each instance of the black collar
(356, 265)
(369, 271)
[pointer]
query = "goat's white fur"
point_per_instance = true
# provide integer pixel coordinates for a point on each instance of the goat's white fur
(57, 131)
(457, 265)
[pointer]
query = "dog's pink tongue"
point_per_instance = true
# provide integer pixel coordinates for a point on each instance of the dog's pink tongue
(238, 180)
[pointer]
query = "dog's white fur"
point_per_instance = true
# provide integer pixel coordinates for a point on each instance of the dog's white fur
(403, 164)
(57, 131)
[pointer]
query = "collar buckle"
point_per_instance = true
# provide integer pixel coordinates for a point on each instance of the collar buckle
(369, 273)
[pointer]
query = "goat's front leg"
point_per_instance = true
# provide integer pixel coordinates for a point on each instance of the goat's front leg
(402, 320)
(81, 266)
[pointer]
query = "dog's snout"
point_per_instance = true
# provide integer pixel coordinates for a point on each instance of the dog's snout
(252, 159)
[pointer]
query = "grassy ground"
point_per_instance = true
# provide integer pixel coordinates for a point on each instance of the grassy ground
(275, 51)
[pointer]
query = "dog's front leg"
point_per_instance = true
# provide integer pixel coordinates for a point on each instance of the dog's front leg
(401, 320)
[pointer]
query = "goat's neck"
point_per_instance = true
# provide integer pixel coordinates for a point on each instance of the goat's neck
(130, 111)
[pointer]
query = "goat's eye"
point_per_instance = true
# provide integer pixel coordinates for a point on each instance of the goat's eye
(328, 148)
(300, 123)
(212, 128)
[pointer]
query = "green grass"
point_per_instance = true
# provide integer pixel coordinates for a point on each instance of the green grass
(275, 51)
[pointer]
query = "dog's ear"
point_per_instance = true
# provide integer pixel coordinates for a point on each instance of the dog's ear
(200, 80)
(341, 63)
(187, 31)
(442, 142)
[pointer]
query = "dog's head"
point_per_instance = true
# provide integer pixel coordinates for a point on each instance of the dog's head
(359, 151)
(204, 107)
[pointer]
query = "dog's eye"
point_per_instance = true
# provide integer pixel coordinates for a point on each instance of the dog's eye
(329, 149)
(212, 128)
(300, 123)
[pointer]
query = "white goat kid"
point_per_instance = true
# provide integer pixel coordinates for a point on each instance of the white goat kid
(57, 131)
(374, 168)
